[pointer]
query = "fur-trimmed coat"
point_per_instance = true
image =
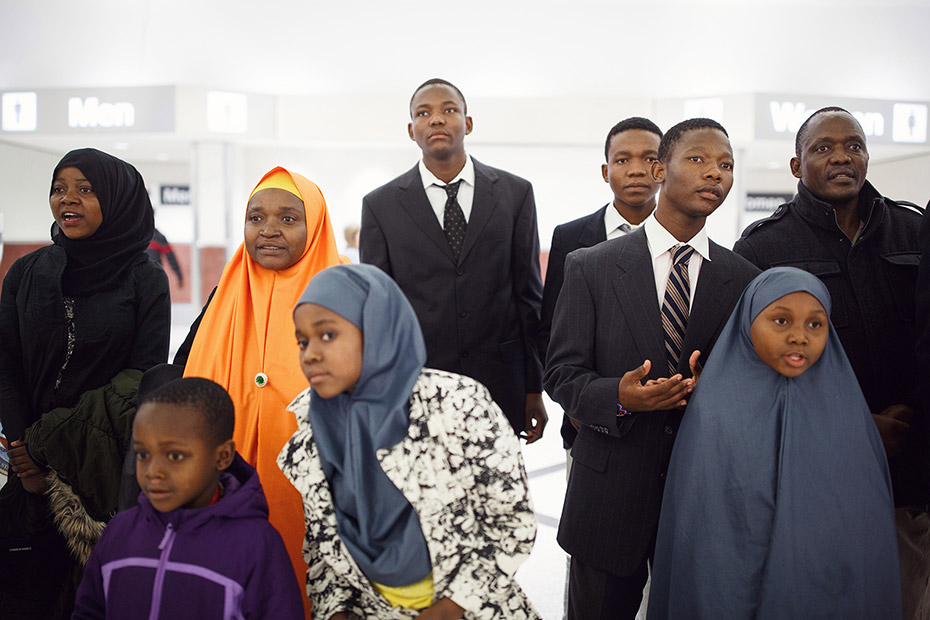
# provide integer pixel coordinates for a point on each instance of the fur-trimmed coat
(461, 469)
(84, 447)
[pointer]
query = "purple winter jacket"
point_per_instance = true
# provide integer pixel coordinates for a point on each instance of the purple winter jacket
(222, 561)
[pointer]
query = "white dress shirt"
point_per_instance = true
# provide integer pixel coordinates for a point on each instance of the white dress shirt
(437, 195)
(660, 243)
(613, 221)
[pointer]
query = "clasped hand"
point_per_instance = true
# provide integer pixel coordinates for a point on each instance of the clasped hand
(31, 475)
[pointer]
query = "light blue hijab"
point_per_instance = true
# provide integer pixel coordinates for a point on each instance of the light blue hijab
(778, 501)
(375, 521)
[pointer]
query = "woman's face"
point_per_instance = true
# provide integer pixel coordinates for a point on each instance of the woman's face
(275, 229)
(74, 204)
(331, 350)
(790, 333)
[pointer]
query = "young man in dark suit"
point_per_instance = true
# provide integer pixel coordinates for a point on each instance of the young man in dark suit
(460, 240)
(631, 147)
(633, 319)
(865, 249)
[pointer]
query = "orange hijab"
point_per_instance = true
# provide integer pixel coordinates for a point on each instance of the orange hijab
(247, 330)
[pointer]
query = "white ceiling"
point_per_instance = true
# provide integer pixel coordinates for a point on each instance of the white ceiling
(864, 48)
(490, 48)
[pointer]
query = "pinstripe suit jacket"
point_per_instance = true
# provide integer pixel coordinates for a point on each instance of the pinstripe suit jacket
(607, 322)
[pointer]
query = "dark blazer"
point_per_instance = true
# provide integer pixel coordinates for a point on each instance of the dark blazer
(607, 322)
(921, 422)
(480, 314)
(581, 233)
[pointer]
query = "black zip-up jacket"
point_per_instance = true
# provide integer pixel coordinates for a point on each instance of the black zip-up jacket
(114, 329)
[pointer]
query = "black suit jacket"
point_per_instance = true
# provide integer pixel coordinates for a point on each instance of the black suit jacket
(480, 314)
(581, 233)
(607, 322)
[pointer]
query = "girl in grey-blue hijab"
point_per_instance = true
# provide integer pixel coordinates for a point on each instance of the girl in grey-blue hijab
(361, 407)
(778, 500)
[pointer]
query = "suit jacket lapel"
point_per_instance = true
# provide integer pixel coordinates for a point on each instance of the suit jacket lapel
(412, 198)
(593, 231)
(482, 206)
(635, 288)
(713, 282)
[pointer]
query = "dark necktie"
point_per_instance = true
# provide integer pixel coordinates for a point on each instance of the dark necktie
(453, 219)
(675, 306)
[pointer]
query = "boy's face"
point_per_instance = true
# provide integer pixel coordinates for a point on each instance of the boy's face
(834, 159)
(176, 464)
(275, 228)
(331, 350)
(629, 167)
(789, 335)
(438, 124)
(697, 173)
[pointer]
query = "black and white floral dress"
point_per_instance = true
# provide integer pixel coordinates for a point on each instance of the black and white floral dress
(461, 469)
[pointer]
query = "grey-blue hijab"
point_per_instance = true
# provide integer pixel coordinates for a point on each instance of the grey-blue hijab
(778, 501)
(375, 521)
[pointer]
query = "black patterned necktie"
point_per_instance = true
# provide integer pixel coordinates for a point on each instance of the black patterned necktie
(675, 307)
(453, 219)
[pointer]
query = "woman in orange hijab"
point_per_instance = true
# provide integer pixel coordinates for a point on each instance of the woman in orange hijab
(244, 339)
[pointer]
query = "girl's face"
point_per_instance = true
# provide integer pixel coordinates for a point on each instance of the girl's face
(330, 350)
(275, 229)
(74, 204)
(790, 333)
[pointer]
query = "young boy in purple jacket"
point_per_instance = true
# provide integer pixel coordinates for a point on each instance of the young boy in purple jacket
(199, 544)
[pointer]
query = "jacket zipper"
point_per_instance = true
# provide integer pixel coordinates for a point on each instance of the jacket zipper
(165, 545)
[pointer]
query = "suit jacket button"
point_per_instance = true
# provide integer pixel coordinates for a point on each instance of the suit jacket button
(463, 314)
(459, 272)
(662, 475)
(668, 430)
(464, 353)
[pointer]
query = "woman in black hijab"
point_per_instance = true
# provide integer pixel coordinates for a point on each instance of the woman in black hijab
(80, 320)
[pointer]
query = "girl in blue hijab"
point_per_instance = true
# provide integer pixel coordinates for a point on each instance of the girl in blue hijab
(778, 499)
(414, 490)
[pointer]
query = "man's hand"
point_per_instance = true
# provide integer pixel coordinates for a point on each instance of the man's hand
(444, 609)
(655, 395)
(536, 418)
(894, 424)
(30, 474)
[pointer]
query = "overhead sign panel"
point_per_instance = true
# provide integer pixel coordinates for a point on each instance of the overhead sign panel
(779, 116)
(81, 110)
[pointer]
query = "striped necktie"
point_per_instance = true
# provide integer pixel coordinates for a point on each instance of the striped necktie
(675, 306)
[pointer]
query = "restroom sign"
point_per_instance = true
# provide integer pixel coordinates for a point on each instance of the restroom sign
(910, 123)
(19, 111)
(778, 117)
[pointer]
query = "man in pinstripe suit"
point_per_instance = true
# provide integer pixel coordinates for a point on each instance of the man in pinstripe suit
(609, 366)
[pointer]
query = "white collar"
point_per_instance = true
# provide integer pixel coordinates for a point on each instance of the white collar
(467, 174)
(660, 240)
(613, 220)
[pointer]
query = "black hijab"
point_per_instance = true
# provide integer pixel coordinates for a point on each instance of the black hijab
(97, 262)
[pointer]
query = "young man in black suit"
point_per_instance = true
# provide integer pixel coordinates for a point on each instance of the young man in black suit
(644, 307)
(865, 249)
(631, 147)
(460, 240)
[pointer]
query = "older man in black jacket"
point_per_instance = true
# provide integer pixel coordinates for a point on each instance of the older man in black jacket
(864, 248)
